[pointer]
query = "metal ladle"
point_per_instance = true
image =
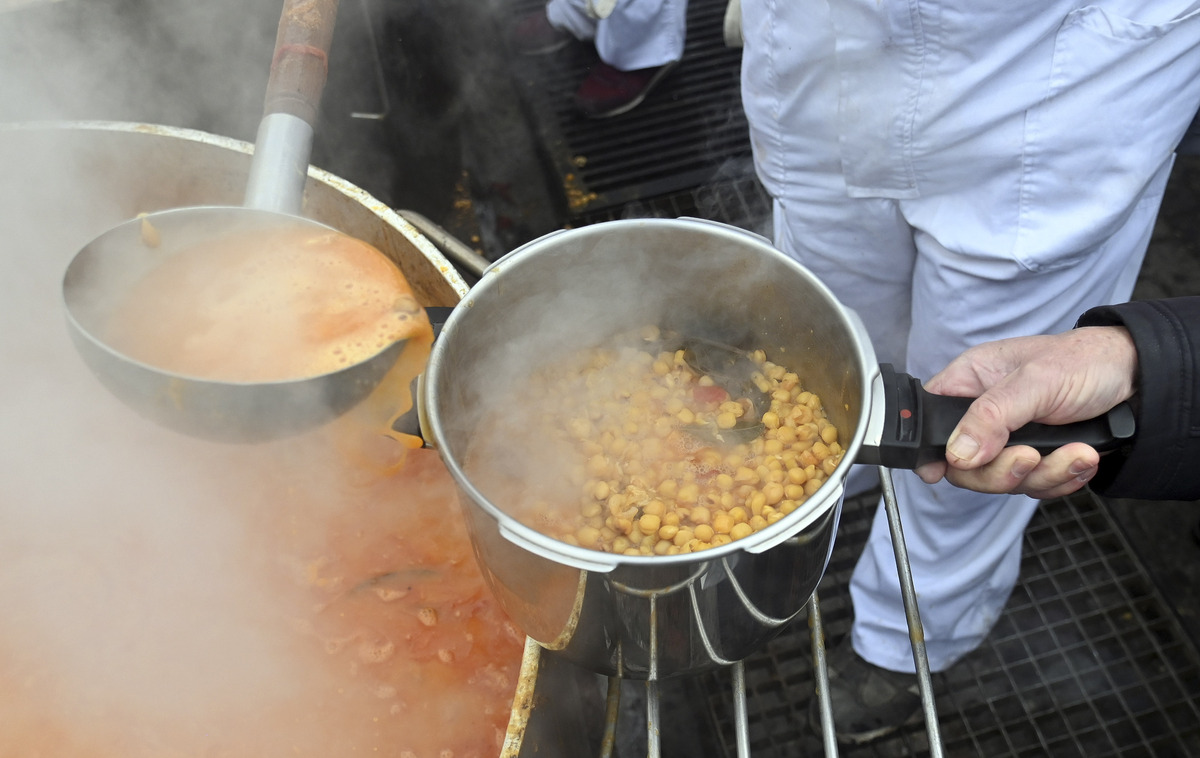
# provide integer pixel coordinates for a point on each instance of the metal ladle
(101, 273)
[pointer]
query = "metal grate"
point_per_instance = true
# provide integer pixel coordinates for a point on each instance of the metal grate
(1087, 659)
(690, 130)
(740, 202)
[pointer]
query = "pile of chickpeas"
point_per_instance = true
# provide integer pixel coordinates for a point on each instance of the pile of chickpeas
(665, 463)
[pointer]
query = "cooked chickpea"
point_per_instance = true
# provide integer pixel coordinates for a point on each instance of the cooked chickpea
(741, 530)
(772, 492)
(745, 475)
(722, 522)
(648, 483)
(649, 524)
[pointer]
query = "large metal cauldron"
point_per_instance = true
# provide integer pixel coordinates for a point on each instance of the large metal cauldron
(647, 617)
(68, 181)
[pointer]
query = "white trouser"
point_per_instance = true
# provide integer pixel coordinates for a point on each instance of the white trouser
(637, 34)
(923, 304)
(958, 173)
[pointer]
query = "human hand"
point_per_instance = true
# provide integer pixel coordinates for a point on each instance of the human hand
(1053, 379)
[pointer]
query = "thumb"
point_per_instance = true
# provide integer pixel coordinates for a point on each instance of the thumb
(983, 430)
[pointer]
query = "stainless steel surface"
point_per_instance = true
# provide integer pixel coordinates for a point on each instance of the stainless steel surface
(740, 719)
(572, 289)
(280, 165)
(820, 672)
(612, 707)
(653, 725)
(453, 248)
(916, 631)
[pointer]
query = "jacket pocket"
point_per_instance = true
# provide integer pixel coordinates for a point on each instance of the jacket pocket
(1119, 97)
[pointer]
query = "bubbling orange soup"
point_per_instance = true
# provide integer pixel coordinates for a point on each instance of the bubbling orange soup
(357, 624)
(265, 305)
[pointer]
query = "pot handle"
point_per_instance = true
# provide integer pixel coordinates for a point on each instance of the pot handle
(413, 422)
(573, 560)
(917, 424)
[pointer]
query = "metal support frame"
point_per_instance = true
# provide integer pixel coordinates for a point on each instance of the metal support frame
(820, 665)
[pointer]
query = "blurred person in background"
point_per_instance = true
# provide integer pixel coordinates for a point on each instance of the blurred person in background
(638, 42)
(1147, 352)
(959, 172)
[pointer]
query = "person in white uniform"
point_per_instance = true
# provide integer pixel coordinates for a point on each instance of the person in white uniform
(959, 172)
(638, 42)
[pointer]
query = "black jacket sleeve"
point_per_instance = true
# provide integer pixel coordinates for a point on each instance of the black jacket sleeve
(1163, 460)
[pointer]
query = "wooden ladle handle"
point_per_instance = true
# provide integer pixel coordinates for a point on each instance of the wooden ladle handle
(300, 64)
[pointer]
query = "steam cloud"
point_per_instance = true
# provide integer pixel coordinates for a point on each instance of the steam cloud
(131, 591)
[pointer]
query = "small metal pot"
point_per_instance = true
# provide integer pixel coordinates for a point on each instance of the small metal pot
(647, 617)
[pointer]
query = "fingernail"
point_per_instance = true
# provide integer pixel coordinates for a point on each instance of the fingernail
(1022, 466)
(1082, 471)
(962, 446)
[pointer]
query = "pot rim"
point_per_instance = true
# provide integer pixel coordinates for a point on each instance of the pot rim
(332, 182)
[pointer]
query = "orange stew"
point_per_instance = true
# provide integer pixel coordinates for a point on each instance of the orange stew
(265, 305)
(366, 630)
(428, 661)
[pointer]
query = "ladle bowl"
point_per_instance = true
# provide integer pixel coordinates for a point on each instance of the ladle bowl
(96, 282)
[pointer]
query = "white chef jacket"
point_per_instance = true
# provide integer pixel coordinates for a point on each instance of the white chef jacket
(959, 172)
(636, 34)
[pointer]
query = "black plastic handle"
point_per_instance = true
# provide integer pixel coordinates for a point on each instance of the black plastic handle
(917, 425)
(409, 423)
